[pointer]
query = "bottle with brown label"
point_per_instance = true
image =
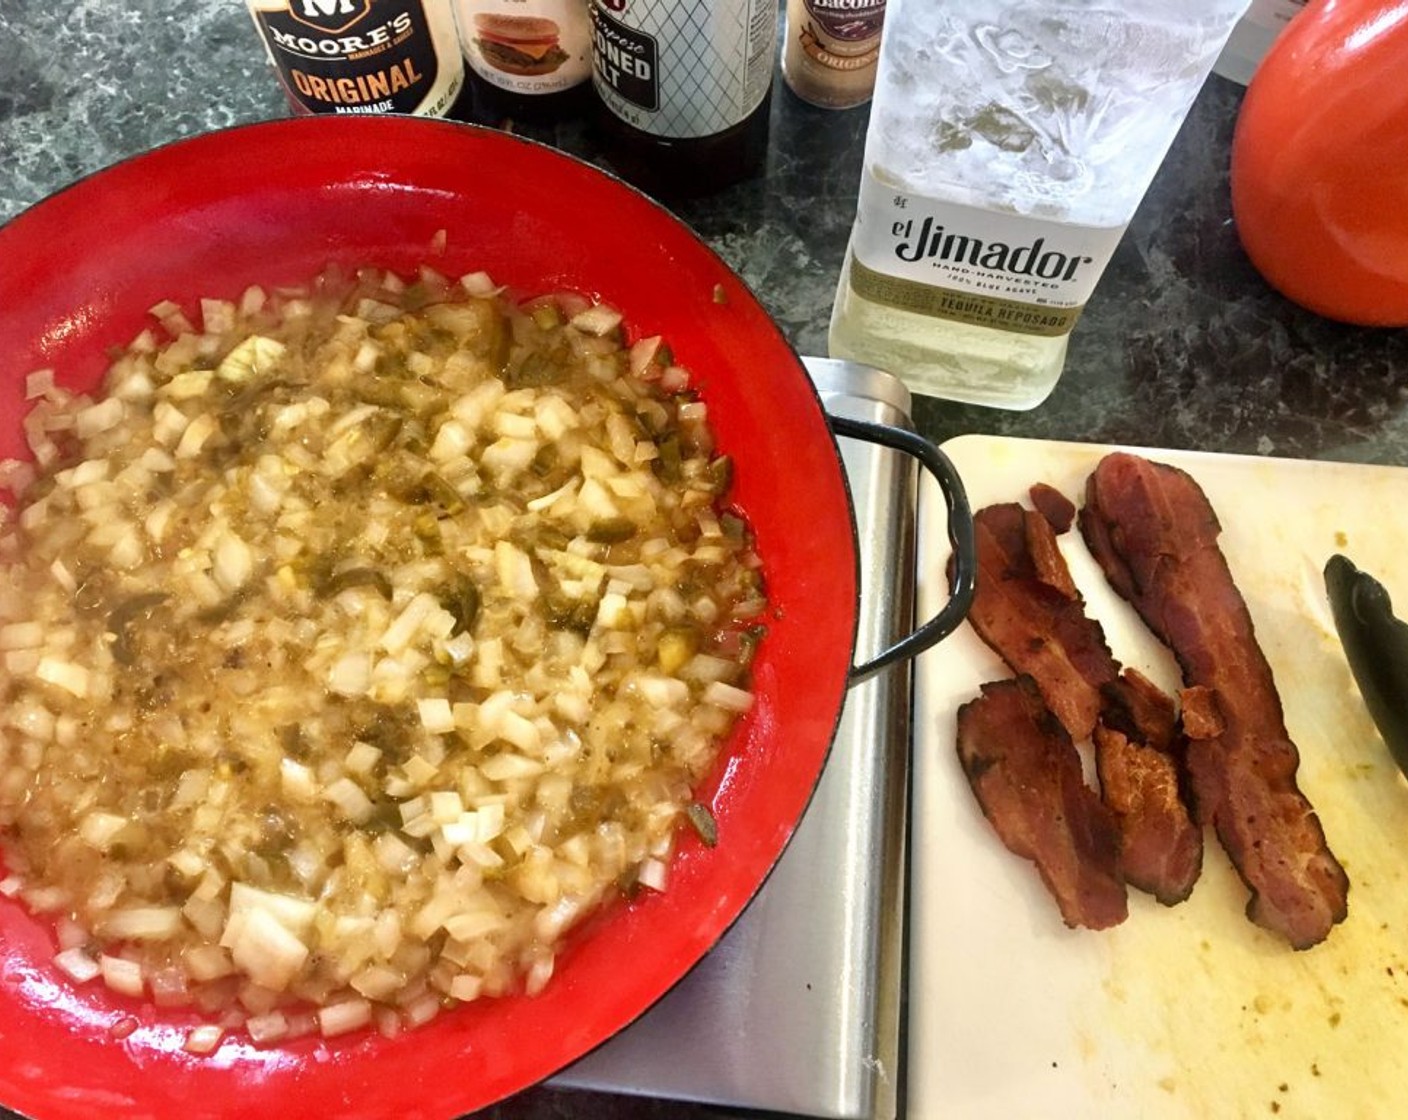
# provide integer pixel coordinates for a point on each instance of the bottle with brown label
(686, 86)
(830, 51)
(365, 56)
(527, 59)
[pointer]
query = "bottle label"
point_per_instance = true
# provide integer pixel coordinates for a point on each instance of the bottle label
(363, 56)
(951, 261)
(832, 50)
(683, 70)
(842, 34)
(527, 46)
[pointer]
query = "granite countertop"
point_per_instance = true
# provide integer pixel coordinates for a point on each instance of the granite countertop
(1181, 346)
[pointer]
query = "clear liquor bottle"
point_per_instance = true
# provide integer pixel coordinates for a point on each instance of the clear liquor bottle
(1009, 144)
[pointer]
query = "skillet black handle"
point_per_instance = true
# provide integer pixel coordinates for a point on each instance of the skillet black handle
(964, 571)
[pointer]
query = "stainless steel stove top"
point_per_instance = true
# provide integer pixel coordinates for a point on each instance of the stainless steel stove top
(798, 1007)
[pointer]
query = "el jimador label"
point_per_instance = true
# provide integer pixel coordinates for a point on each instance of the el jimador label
(980, 267)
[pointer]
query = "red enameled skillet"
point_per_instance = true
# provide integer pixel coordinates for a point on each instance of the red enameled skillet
(276, 203)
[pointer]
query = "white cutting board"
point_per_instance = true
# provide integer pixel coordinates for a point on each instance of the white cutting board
(1188, 1011)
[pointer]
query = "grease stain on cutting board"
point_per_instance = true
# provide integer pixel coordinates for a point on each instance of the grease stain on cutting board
(1240, 1022)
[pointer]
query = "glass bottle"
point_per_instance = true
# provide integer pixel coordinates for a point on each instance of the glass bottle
(830, 50)
(686, 87)
(356, 56)
(1009, 144)
(527, 59)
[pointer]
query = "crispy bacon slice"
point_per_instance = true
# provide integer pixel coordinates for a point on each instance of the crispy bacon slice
(1026, 774)
(1138, 750)
(1139, 707)
(1037, 628)
(1053, 505)
(1154, 533)
(1201, 717)
(1048, 565)
(1028, 610)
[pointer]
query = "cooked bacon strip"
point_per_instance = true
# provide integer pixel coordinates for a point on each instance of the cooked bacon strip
(1024, 612)
(1048, 565)
(1201, 717)
(1138, 748)
(1139, 707)
(1053, 505)
(1026, 774)
(1155, 534)
(1034, 627)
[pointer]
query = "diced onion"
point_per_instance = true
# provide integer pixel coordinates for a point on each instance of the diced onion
(121, 975)
(77, 965)
(653, 874)
(203, 1039)
(597, 319)
(267, 1028)
(38, 384)
(71, 677)
(339, 1018)
(350, 799)
(728, 697)
(436, 715)
(358, 643)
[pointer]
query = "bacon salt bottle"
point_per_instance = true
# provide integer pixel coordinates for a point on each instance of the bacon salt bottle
(365, 56)
(831, 49)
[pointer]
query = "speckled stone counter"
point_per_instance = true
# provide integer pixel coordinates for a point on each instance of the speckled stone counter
(1182, 345)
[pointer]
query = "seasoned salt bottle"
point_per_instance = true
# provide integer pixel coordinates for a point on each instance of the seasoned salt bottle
(354, 56)
(686, 86)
